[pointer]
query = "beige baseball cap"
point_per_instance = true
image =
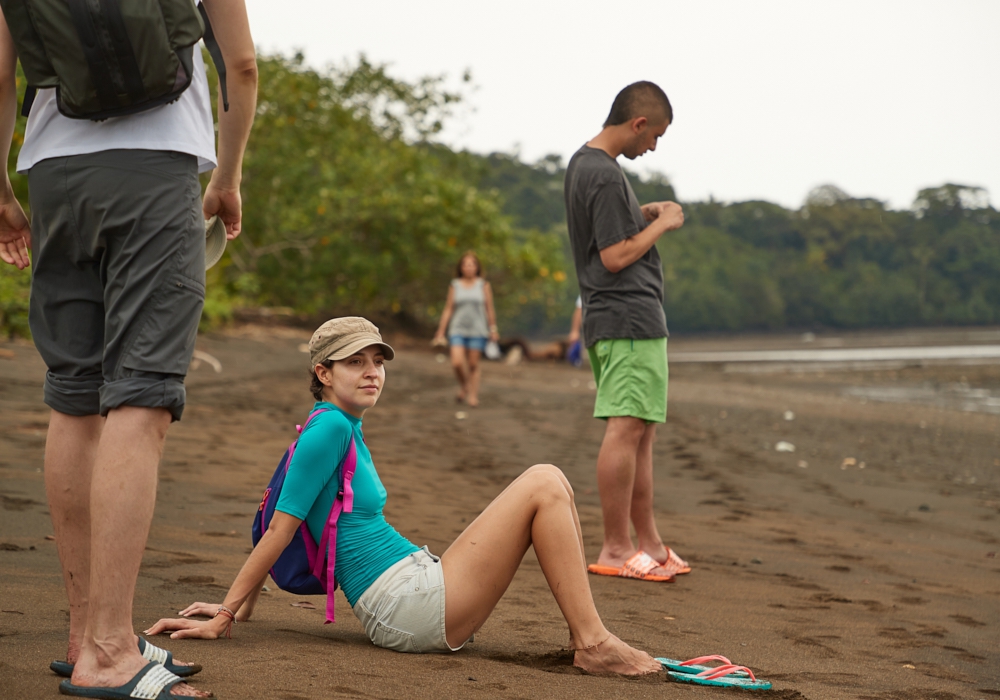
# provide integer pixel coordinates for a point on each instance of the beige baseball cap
(342, 337)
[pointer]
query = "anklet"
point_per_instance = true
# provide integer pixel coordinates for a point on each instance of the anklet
(594, 646)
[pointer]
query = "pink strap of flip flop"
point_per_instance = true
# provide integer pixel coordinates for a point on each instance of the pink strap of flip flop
(727, 670)
(702, 659)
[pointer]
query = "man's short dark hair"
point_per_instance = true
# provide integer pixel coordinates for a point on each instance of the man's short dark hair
(641, 99)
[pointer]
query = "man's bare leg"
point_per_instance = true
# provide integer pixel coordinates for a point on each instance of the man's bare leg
(616, 466)
(642, 498)
(70, 450)
(123, 494)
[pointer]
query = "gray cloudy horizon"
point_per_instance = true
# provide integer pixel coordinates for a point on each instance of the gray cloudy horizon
(771, 99)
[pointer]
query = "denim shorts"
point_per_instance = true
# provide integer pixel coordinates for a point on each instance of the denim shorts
(477, 343)
(403, 609)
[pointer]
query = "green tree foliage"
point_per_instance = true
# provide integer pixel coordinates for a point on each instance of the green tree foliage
(349, 207)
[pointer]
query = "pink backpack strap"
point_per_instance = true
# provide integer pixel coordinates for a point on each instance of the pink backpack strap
(343, 503)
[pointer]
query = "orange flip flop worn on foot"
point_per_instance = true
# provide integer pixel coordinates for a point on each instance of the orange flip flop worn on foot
(674, 564)
(640, 565)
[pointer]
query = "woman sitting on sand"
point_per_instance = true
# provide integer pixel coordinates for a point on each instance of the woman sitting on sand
(396, 589)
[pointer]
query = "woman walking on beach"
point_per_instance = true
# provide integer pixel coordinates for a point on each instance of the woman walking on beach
(470, 321)
(407, 598)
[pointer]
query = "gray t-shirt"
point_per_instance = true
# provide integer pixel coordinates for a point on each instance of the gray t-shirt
(601, 210)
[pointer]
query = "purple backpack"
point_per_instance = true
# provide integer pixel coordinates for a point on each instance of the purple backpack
(305, 567)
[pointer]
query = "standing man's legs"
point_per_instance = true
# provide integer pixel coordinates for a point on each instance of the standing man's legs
(117, 293)
(642, 498)
(616, 481)
(631, 377)
(123, 494)
(70, 450)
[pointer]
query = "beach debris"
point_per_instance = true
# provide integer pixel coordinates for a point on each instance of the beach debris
(13, 612)
(304, 347)
(784, 447)
(304, 604)
(461, 415)
(266, 589)
(908, 666)
(848, 462)
(803, 464)
(789, 415)
(10, 547)
(199, 356)
(756, 560)
(439, 358)
(924, 508)
(51, 538)
(667, 617)
(514, 355)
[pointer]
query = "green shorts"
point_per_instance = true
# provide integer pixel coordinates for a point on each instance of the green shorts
(631, 378)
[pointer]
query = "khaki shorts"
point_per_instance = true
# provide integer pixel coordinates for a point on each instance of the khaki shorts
(631, 378)
(403, 609)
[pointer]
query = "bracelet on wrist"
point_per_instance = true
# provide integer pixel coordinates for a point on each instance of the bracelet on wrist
(226, 612)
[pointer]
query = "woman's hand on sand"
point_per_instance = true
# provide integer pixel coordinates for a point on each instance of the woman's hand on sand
(206, 609)
(191, 629)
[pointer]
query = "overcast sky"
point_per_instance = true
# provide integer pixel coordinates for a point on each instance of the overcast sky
(771, 98)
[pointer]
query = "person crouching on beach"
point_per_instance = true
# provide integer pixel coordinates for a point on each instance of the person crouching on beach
(470, 321)
(407, 598)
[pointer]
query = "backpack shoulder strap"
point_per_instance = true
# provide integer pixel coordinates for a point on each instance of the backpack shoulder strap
(216, 53)
(343, 503)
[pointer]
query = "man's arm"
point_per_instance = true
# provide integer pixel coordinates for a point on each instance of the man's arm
(15, 233)
(232, 31)
(617, 257)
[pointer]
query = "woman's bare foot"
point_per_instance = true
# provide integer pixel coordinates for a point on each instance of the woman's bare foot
(473, 401)
(615, 656)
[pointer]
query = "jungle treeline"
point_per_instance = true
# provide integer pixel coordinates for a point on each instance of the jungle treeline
(352, 206)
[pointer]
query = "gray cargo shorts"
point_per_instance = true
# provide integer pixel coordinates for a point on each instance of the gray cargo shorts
(118, 280)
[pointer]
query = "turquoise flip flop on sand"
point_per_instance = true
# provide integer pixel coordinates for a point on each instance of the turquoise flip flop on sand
(695, 665)
(727, 675)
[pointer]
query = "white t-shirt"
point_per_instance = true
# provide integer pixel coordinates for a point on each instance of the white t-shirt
(184, 126)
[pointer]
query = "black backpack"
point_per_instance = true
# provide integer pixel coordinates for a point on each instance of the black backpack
(109, 58)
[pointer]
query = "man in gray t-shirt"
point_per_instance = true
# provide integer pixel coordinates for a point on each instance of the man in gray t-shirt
(621, 282)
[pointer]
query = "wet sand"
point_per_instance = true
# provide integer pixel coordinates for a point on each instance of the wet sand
(830, 580)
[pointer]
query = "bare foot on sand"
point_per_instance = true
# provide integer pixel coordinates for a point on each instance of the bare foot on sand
(615, 656)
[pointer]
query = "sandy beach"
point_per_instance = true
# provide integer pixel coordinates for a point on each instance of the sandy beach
(862, 565)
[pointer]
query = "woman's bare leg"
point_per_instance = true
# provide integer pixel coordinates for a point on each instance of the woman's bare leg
(536, 509)
(472, 385)
(458, 364)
